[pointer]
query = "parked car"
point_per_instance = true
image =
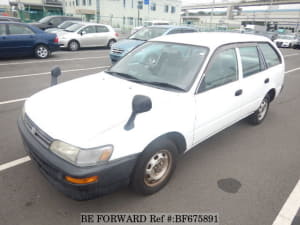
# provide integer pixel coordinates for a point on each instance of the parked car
(129, 124)
(82, 35)
(53, 21)
(121, 48)
(62, 26)
(19, 39)
(286, 41)
(9, 18)
(150, 23)
(297, 44)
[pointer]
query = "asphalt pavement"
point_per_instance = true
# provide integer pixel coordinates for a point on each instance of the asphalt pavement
(245, 173)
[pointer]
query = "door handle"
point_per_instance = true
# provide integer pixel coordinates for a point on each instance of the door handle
(267, 80)
(238, 92)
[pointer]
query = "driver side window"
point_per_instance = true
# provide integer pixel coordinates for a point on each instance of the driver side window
(222, 69)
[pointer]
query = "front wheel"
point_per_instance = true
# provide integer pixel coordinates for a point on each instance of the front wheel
(41, 52)
(110, 43)
(155, 167)
(260, 114)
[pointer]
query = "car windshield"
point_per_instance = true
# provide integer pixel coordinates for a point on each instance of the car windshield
(74, 27)
(147, 33)
(45, 19)
(65, 24)
(162, 65)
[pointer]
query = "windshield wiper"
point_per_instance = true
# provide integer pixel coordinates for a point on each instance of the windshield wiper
(125, 75)
(162, 84)
(138, 39)
(152, 83)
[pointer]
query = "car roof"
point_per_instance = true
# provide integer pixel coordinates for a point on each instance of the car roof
(210, 39)
(172, 27)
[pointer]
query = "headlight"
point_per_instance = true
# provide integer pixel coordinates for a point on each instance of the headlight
(81, 157)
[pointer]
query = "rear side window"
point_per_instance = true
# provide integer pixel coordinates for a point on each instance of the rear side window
(15, 29)
(250, 60)
(101, 29)
(223, 69)
(2, 29)
(271, 57)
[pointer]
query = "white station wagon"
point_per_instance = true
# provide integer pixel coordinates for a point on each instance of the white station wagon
(129, 124)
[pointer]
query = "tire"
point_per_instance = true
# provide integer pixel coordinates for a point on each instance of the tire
(161, 155)
(73, 45)
(260, 114)
(110, 43)
(41, 51)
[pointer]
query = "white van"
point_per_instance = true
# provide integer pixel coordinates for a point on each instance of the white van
(129, 124)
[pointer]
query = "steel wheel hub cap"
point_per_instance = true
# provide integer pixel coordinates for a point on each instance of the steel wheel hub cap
(157, 168)
(262, 110)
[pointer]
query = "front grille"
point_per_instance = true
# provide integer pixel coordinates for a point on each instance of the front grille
(40, 135)
(117, 51)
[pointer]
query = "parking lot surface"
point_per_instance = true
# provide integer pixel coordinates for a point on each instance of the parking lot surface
(245, 173)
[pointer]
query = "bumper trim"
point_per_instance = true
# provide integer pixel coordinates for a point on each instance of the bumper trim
(112, 175)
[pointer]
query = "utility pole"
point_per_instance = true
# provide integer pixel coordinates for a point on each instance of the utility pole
(211, 14)
(98, 11)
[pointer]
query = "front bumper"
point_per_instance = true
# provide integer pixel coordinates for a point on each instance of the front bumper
(112, 175)
(63, 43)
(115, 58)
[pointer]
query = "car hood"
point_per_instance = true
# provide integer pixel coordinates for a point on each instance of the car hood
(128, 44)
(284, 40)
(79, 110)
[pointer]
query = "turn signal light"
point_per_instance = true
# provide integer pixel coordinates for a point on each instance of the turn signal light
(86, 180)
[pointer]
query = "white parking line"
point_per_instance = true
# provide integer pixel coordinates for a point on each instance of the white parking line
(12, 101)
(290, 208)
(14, 163)
(292, 70)
(48, 73)
(52, 60)
(290, 55)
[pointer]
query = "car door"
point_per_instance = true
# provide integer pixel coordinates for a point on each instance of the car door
(20, 39)
(88, 37)
(103, 35)
(255, 78)
(219, 96)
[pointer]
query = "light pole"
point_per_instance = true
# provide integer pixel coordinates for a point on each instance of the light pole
(211, 14)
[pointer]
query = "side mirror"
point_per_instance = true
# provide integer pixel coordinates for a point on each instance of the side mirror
(140, 104)
(83, 32)
(55, 73)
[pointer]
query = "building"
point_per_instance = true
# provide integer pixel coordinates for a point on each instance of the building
(32, 10)
(124, 14)
(272, 14)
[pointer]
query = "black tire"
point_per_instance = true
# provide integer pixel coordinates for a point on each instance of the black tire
(162, 153)
(260, 114)
(41, 51)
(73, 45)
(110, 43)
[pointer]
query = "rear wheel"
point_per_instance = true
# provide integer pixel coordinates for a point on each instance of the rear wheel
(155, 167)
(41, 51)
(73, 45)
(260, 114)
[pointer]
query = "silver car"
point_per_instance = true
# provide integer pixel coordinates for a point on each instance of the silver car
(82, 35)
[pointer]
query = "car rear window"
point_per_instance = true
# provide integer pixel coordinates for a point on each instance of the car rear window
(2, 29)
(15, 29)
(250, 60)
(270, 55)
